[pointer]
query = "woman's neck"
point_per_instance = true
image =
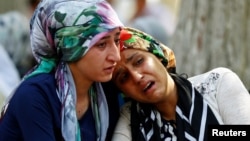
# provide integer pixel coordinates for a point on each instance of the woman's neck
(167, 107)
(82, 87)
(82, 105)
(82, 98)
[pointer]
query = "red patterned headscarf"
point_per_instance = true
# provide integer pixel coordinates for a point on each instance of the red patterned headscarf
(133, 38)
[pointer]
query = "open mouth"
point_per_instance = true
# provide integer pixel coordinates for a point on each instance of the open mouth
(109, 69)
(149, 85)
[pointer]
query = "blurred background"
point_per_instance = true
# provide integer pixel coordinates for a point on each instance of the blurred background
(204, 34)
(16, 57)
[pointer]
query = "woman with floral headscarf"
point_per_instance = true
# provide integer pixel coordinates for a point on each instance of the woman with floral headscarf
(167, 106)
(75, 43)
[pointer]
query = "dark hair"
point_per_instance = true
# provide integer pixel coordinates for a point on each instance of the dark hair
(33, 3)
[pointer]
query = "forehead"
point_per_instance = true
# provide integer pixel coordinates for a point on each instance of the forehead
(131, 51)
(127, 52)
(128, 55)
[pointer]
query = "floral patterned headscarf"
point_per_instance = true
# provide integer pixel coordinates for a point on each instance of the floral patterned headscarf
(63, 31)
(134, 38)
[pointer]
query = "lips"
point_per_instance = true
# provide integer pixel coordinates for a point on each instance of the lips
(148, 86)
(109, 69)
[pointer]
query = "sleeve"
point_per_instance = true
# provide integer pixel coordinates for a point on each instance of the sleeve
(233, 99)
(34, 115)
(123, 129)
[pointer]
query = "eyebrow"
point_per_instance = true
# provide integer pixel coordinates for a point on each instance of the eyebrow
(119, 70)
(130, 57)
(116, 34)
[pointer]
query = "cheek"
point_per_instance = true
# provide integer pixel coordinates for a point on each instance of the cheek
(127, 89)
(90, 67)
(157, 70)
(150, 67)
(156, 65)
(89, 63)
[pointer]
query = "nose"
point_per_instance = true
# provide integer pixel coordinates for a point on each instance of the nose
(136, 76)
(114, 54)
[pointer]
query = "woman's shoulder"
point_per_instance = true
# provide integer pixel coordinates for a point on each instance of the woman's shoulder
(41, 78)
(126, 110)
(216, 72)
(37, 93)
(44, 81)
(212, 77)
(123, 127)
(37, 88)
(210, 81)
(126, 106)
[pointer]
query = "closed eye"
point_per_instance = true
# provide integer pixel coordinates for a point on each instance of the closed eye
(101, 45)
(120, 75)
(138, 61)
(123, 77)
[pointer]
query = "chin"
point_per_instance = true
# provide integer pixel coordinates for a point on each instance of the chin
(105, 78)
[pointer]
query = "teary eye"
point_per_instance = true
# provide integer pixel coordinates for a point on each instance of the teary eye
(123, 77)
